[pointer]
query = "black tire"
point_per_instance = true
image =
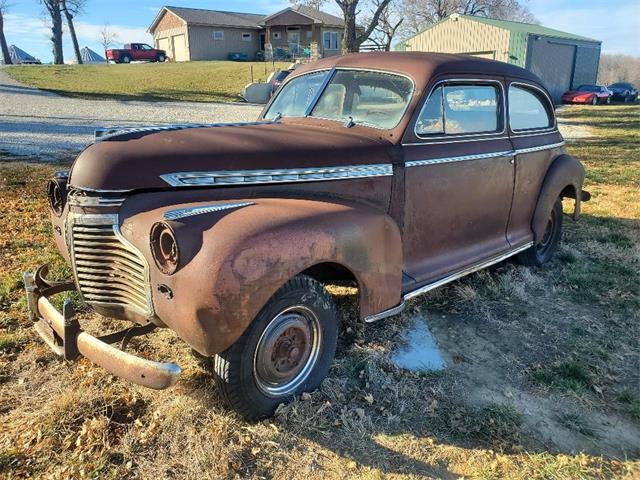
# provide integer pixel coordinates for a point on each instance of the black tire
(125, 59)
(608, 101)
(241, 376)
(161, 58)
(594, 100)
(543, 251)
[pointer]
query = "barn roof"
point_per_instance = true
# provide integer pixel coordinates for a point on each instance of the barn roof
(520, 27)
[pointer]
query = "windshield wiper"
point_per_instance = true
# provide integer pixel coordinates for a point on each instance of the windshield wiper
(277, 117)
(349, 123)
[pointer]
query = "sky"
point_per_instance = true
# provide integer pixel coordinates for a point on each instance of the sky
(616, 23)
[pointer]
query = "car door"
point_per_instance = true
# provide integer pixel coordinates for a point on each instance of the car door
(536, 141)
(458, 179)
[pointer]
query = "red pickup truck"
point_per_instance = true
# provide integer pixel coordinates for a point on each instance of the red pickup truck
(135, 52)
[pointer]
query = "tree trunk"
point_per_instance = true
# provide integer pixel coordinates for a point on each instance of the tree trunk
(351, 41)
(72, 31)
(56, 31)
(3, 43)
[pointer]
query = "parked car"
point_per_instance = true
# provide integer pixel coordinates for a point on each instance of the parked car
(133, 52)
(593, 94)
(399, 172)
(278, 77)
(623, 91)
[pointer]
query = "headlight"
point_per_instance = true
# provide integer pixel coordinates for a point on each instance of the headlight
(164, 248)
(57, 194)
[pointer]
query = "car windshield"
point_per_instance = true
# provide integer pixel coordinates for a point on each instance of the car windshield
(588, 88)
(355, 97)
(619, 85)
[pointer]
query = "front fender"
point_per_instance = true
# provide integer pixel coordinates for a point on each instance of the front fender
(564, 177)
(232, 262)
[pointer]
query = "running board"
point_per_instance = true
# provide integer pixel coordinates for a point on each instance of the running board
(443, 281)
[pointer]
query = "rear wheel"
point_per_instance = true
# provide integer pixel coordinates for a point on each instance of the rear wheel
(126, 59)
(543, 251)
(287, 349)
(608, 100)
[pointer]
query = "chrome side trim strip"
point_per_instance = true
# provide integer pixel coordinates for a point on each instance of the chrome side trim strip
(260, 177)
(110, 132)
(539, 148)
(443, 281)
(463, 158)
(466, 271)
(179, 213)
(480, 156)
(386, 313)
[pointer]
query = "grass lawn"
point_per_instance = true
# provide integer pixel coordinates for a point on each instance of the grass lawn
(218, 81)
(542, 378)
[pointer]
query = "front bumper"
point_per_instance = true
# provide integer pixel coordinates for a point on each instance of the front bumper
(62, 332)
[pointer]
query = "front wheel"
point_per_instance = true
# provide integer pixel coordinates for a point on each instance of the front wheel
(287, 349)
(594, 100)
(543, 251)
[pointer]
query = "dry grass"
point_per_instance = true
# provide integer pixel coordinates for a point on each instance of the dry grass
(541, 379)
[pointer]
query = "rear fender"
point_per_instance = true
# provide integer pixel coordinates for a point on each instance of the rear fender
(564, 178)
(232, 262)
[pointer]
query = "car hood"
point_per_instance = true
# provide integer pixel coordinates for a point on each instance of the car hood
(137, 159)
(573, 93)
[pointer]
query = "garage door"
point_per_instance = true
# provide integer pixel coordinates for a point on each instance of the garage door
(553, 63)
(164, 44)
(180, 52)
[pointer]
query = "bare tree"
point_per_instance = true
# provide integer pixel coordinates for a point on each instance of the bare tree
(353, 36)
(108, 38)
(72, 8)
(4, 5)
(53, 9)
(317, 4)
(619, 68)
(388, 25)
(419, 14)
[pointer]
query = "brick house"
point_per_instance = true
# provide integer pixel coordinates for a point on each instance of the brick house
(295, 32)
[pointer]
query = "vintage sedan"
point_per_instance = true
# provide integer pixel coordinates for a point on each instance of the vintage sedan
(400, 172)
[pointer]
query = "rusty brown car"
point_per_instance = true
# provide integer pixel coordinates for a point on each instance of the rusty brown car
(397, 171)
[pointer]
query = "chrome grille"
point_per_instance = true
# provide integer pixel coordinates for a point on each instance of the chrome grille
(109, 271)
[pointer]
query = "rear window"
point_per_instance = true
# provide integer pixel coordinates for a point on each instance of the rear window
(460, 109)
(527, 110)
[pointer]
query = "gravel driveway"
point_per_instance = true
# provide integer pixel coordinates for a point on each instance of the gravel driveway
(43, 124)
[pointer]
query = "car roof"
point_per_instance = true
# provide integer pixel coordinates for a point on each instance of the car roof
(421, 66)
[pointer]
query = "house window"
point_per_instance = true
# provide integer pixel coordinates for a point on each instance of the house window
(246, 37)
(330, 40)
(218, 35)
(309, 33)
(276, 35)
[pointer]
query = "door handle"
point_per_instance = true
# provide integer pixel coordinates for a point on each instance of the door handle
(510, 155)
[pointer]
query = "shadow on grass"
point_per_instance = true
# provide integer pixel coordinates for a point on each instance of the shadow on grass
(154, 96)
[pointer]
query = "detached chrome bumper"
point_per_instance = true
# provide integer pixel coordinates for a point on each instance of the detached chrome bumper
(62, 332)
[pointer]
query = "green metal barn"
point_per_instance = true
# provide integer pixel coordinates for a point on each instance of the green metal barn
(562, 60)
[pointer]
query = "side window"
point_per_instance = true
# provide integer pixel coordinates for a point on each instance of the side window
(431, 119)
(455, 109)
(527, 110)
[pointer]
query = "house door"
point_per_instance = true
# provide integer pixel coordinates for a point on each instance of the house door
(293, 37)
(262, 41)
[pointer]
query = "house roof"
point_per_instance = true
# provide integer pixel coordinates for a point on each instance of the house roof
(213, 18)
(318, 16)
(220, 18)
(520, 27)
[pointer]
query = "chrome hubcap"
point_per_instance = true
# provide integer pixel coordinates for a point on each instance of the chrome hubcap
(287, 350)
